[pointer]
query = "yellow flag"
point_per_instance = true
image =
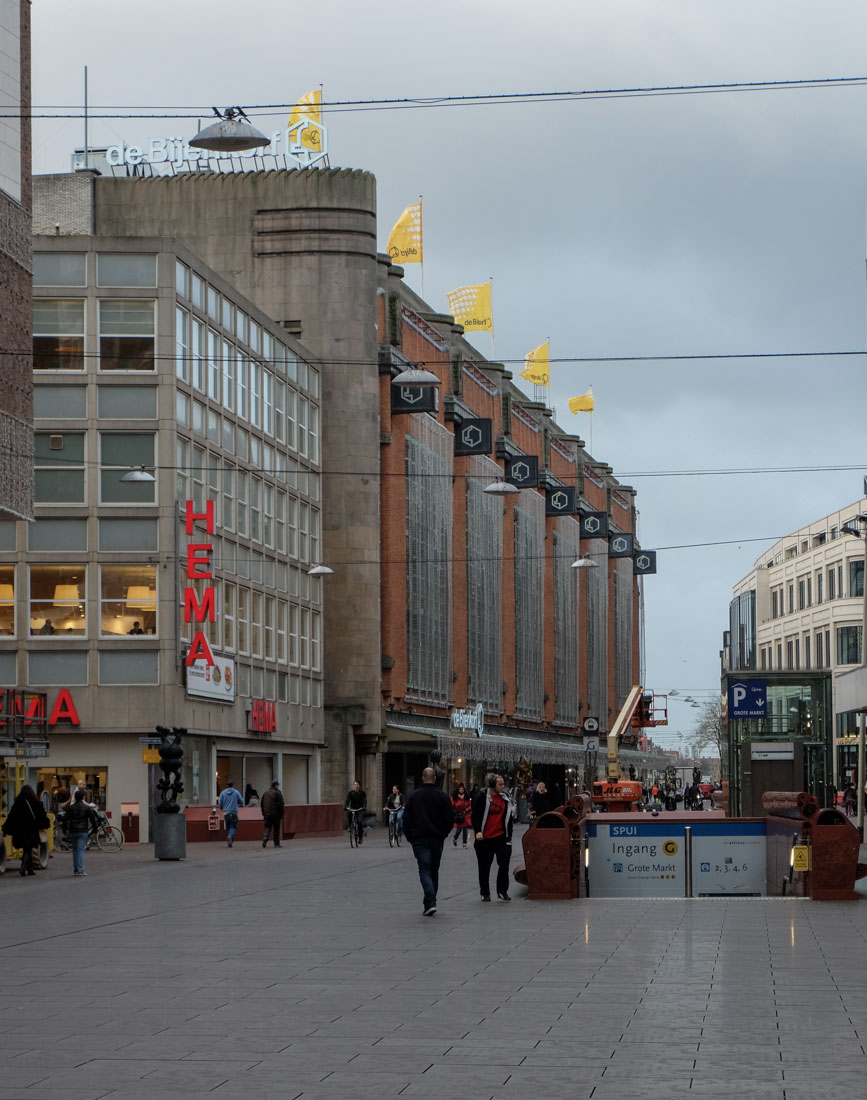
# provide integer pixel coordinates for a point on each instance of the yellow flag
(582, 404)
(405, 240)
(471, 307)
(308, 106)
(308, 111)
(536, 366)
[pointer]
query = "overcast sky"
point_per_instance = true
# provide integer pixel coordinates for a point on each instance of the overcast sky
(666, 225)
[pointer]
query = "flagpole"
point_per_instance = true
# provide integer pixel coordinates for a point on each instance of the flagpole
(491, 281)
(421, 238)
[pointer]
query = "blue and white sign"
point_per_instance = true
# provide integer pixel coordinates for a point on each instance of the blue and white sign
(748, 699)
(728, 857)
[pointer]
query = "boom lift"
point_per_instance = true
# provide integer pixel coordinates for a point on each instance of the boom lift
(642, 710)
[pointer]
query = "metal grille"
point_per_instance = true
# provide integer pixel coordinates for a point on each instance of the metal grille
(429, 450)
(597, 642)
(566, 550)
(622, 629)
(484, 586)
(529, 603)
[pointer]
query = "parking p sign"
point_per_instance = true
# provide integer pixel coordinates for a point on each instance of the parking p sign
(748, 699)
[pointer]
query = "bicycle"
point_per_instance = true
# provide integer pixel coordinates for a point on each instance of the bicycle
(394, 830)
(108, 838)
(356, 826)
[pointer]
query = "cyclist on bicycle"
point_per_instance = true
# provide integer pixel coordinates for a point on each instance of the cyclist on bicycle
(396, 802)
(356, 799)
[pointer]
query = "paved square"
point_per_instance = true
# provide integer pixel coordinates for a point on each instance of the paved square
(309, 971)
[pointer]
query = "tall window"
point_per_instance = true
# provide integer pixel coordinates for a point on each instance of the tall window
(429, 450)
(566, 550)
(819, 581)
(529, 604)
(126, 335)
(182, 344)
(128, 600)
(58, 334)
(58, 603)
(7, 600)
(848, 645)
(597, 642)
(59, 467)
(118, 452)
(484, 584)
(832, 583)
(623, 630)
(856, 578)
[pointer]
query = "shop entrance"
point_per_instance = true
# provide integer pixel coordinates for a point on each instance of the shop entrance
(60, 784)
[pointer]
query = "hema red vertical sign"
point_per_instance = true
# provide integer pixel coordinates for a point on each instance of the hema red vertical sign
(199, 568)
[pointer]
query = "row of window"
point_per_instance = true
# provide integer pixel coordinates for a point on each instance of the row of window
(801, 652)
(247, 503)
(797, 596)
(60, 462)
(70, 668)
(116, 269)
(247, 622)
(254, 624)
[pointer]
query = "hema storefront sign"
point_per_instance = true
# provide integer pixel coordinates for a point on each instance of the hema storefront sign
(463, 718)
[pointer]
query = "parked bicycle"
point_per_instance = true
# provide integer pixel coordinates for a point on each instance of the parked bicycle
(356, 826)
(107, 837)
(394, 830)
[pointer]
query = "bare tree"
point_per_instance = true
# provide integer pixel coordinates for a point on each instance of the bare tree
(709, 732)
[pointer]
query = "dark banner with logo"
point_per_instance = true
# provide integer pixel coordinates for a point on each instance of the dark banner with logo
(560, 500)
(594, 525)
(523, 471)
(621, 546)
(413, 399)
(474, 437)
(644, 561)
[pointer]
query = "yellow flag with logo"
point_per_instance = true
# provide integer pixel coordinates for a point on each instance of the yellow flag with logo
(471, 307)
(537, 368)
(307, 114)
(405, 240)
(582, 404)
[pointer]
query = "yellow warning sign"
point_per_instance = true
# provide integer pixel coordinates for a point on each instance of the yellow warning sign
(670, 847)
(802, 857)
(150, 756)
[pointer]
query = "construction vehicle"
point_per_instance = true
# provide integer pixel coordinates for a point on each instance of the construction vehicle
(642, 710)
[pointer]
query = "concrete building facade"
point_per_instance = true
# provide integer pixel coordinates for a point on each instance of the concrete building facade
(147, 360)
(16, 388)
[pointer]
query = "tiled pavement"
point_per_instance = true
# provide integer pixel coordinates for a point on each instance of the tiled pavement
(310, 972)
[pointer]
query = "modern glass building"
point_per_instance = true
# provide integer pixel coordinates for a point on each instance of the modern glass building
(157, 384)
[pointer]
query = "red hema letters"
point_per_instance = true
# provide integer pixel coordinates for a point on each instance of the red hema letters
(199, 569)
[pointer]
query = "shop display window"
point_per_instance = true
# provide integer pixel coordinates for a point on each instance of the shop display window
(128, 601)
(58, 605)
(60, 785)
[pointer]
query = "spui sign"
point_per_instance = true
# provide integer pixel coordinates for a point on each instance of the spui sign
(463, 718)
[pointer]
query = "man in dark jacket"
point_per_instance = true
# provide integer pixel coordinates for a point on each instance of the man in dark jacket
(493, 819)
(272, 811)
(427, 821)
(79, 818)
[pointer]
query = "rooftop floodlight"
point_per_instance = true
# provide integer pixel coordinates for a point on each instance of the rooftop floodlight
(138, 473)
(501, 488)
(231, 133)
(674, 691)
(319, 571)
(585, 563)
(415, 376)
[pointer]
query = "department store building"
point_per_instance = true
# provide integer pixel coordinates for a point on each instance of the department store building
(156, 384)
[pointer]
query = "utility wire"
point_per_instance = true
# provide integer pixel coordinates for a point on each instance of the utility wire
(339, 106)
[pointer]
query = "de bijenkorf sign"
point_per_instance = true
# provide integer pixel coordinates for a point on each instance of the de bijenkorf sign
(748, 699)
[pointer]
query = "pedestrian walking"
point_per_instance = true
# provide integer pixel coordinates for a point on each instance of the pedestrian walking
(493, 818)
(272, 812)
(80, 818)
(541, 799)
(25, 820)
(462, 813)
(229, 801)
(427, 821)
